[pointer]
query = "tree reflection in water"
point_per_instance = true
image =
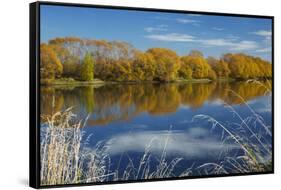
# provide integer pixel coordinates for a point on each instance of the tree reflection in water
(114, 102)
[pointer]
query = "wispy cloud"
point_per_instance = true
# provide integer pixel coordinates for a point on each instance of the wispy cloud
(187, 21)
(232, 45)
(216, 42)
(171, 37)
(158, 28)
(232, 37)
(183, 20)
(264, 50)
(217, 29)
(264, 33)
(235, 45)
(244, 45)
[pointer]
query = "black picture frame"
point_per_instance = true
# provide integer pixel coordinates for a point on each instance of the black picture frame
(34, 90)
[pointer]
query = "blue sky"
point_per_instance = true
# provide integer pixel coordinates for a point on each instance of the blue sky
(213, 35)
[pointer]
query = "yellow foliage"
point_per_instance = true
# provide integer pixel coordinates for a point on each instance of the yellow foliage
(167, 63)
(50, 65)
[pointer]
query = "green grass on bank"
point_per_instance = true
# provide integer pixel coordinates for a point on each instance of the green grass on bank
(71, 81)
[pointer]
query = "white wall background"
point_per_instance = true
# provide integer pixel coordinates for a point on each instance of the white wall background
(14, 77)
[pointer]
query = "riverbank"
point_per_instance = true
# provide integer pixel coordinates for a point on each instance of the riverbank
(73, 82)
(70, 81)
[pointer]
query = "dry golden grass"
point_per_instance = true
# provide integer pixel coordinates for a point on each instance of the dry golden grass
(251, 134)
(65, 159)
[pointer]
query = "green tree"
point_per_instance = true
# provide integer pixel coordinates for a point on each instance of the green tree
(87, 68)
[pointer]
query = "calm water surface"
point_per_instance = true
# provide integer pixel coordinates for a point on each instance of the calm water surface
(170, 119)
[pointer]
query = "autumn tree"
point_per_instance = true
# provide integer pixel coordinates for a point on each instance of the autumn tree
(167, 63)
(143, 67)
(244, 66)
(87, 68)
(69, 52)
(120, 61)
(50, 65)
(212, 74)
(198, 64)
(104, 70)
(71, 67)
(196, 53)
(185, 71)
(121, 71)
(219, 66)
(265, 67)
(74, 45)
(109, 55)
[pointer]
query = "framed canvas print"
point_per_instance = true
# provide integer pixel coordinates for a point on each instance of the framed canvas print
(120, 94)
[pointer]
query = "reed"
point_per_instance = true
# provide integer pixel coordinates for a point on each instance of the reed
(250, 133)
(65, 158)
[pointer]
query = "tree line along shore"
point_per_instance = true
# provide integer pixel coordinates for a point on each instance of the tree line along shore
(87, 61)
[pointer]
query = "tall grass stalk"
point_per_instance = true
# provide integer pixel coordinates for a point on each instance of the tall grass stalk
(250, 134)
(65, 158)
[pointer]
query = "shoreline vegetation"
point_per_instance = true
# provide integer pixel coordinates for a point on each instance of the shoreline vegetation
(70, 81)
(76, 61)
(98, 82)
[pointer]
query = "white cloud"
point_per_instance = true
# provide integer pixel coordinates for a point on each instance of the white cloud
(264, 50)
(171, 37)
(244, 45)
(264, 33)
(217, 42)
(158, 28)
(232, 45)
(187, 21)
(232, 37)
